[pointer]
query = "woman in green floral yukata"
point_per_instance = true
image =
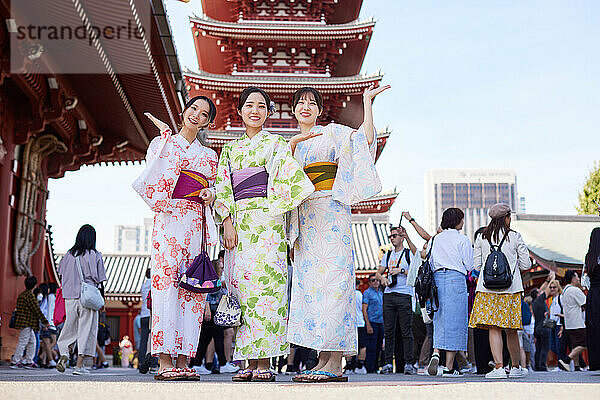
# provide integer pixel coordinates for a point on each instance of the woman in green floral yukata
(258, 181)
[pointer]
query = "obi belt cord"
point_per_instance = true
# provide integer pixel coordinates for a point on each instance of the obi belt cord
(321, 174)
(188, 186)
(249, 182)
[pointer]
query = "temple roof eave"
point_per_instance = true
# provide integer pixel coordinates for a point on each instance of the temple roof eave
(241, 30)
(290, 83)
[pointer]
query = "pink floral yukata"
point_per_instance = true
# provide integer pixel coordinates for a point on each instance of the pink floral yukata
(176, 239)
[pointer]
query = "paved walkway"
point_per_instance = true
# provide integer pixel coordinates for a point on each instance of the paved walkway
(118, 383)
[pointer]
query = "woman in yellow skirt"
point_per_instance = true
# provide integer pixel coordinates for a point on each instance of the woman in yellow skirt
(499, 310)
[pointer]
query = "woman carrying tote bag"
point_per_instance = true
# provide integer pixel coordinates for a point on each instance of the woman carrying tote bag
(81, 323)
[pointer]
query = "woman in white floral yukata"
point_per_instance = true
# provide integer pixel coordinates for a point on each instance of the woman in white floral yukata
(177, 235)
(340, 161)
(258, 181)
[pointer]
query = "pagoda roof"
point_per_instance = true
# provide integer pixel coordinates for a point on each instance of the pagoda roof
(217, 138)
(282, 84)
(377, 204)
(262, 30)
(337, 11)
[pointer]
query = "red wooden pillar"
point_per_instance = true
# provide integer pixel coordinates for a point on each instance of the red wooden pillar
(10, 284)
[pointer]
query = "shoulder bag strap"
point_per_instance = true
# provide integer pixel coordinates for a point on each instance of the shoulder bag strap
(78, 263)
(430, 249)
(400, 258)
(503, 239)
(387, 260)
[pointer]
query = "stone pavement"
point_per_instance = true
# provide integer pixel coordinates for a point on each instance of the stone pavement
(119, 383)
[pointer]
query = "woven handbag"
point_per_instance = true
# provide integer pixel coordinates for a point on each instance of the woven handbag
(229, 311)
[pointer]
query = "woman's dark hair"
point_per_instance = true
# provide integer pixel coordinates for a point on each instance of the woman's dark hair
(569, 276)
(148, 273)
(30, 282)
(300, 93)
(212, 109)
(591, 258)
(248, 91)
(451, 218)
(43, 289)
(85, 240)
(492, 231)
(52, 287)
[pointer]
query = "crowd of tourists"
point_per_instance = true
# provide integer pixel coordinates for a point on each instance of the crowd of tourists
(283, 293)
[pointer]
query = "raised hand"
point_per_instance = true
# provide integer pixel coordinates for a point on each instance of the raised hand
(159, 124)
(302, 137)
(372, 91)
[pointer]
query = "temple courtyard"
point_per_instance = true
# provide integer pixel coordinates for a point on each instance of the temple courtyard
(120, 383)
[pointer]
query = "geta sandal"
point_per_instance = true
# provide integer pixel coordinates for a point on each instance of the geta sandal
(243, 375)
(256, 378)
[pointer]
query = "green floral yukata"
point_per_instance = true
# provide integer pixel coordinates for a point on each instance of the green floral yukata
(256, 270)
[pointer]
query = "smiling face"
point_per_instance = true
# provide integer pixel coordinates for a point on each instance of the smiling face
(254, 111)
(196, 116)
(307, 110)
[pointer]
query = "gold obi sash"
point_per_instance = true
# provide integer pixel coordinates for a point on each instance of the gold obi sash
(322, 174)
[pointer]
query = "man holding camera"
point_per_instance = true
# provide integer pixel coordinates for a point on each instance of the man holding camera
(397, 299)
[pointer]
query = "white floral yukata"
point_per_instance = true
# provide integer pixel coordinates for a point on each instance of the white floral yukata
(176, 240)
(256, 270)
(323, 303)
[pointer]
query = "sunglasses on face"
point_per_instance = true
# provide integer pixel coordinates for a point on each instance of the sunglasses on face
(372, 280)
(393, 235)
(552, 287)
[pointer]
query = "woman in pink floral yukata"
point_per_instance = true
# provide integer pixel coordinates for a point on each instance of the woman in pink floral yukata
(177, 235)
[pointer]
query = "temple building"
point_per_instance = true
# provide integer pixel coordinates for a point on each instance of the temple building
(57, 115)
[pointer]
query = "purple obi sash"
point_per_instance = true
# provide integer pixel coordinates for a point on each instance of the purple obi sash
(249, 182)
(188, 186)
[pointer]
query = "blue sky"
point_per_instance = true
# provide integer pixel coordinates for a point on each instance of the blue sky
(493, 84)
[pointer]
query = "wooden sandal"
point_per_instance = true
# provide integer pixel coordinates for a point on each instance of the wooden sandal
(168, 374)
(243, 375)
(189, 374)
(257, 378)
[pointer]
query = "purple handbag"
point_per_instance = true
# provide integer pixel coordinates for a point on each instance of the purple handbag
(200, 276)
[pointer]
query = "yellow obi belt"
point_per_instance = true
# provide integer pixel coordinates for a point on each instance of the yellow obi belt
(321, 174)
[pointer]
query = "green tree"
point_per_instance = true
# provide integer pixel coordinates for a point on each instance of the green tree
(590, 193)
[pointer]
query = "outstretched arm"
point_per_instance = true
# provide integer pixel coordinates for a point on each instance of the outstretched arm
(368, 97)
(422, 232)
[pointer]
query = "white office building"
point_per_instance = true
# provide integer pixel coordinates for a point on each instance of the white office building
(133, 239)
(471, 190)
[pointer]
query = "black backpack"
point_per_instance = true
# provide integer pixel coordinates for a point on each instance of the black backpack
(496, 272)
(425, 288)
